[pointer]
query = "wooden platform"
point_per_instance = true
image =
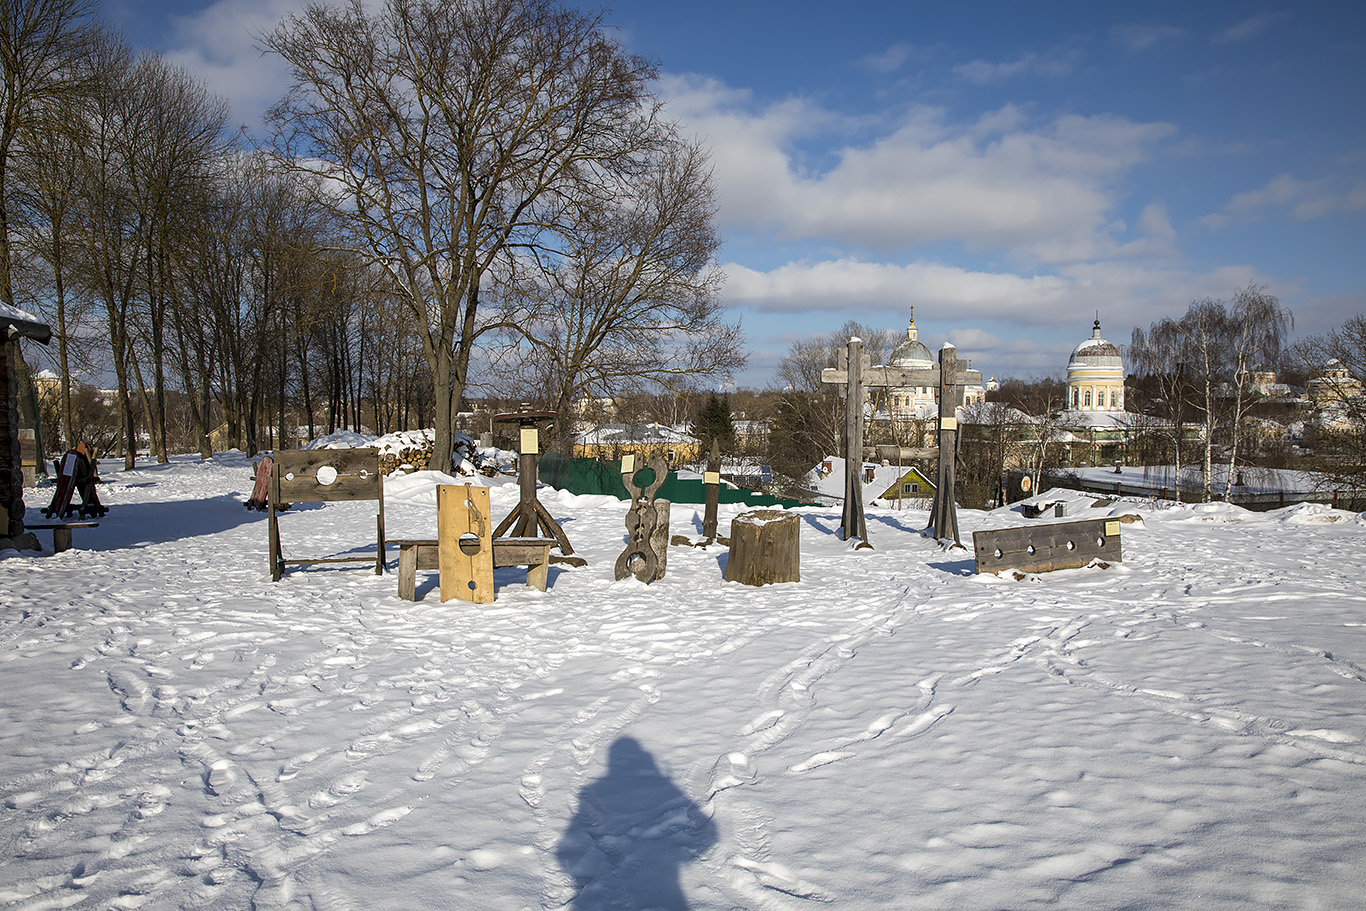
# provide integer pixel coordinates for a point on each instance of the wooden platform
(422, 554)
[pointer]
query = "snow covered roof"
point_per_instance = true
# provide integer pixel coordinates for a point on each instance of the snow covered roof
(1095, 352)
(15, 322)
(622, 434)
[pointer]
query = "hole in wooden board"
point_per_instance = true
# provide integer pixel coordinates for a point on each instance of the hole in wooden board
(472, 586)
(1030, 550)
(469, 544)
(1100, 542)
(999, 555)
(635, 562)
(327, 475)
(1071, 545)
(289, 476)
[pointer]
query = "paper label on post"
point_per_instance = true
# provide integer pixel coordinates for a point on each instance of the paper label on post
(948, 423)
(530, 441)
(628, 464)
(711, 477)
(1112, 528)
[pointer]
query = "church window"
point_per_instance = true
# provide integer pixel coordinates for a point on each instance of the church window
(1088, 398)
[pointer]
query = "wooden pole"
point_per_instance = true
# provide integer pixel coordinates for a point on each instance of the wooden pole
(944, 519)
(854, 525)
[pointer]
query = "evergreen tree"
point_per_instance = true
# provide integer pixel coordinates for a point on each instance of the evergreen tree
(714, 422)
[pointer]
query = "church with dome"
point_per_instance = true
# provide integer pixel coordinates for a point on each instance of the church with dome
(919, 401)
(1095, 376)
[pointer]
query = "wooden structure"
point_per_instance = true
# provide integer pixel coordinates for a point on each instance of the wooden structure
(530, 519)
(61, 533)
(711, 480)
(764, 548)
(14, 325)
(422, 555)
(647, 523)
(1041, 548)
(321, 476)
(464, 543)
(854, 376)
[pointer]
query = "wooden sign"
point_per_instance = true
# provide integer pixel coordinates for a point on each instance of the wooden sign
(464, 543)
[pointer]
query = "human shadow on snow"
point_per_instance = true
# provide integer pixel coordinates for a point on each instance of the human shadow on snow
(632, 832)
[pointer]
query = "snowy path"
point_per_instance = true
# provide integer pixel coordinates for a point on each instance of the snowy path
(1183, 730)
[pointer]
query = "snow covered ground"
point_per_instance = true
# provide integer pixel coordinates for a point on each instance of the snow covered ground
(1181, 730)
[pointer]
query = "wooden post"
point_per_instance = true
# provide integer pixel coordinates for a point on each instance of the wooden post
(854, 524)
(712, 479)
(944, 518)
(764, 548)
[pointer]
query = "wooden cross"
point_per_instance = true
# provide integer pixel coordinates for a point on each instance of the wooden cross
(853, 376)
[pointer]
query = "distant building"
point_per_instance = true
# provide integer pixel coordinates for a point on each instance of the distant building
(1095, 376)
(1334, 384)
(907, 402)
(612, 441)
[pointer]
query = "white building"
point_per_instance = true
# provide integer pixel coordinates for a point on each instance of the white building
(1095, 376)
(912, 401)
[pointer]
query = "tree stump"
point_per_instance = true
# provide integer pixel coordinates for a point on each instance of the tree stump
(764, 548)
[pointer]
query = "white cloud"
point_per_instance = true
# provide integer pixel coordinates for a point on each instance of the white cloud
(1137, 37)
(220, 44)
(1037, 191)
(1247, 29)
(1125, 292)
(890, 60)
(983, 72)
(1302, 200)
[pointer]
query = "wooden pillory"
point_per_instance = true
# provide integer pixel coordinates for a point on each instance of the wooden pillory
(319, 476)
(1042, 548)
(853, 377)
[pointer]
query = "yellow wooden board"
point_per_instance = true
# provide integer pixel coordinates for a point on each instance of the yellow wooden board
(464, 537)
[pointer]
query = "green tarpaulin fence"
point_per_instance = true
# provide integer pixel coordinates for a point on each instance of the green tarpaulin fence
(589, 476)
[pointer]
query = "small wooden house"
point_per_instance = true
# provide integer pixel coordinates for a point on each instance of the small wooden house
(911, 485)
(14, 325)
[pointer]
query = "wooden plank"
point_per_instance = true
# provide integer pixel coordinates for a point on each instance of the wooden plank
(1042, 548)
(463, 524)
(356, 476)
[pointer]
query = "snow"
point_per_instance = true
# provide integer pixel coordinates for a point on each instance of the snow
(1182, 730)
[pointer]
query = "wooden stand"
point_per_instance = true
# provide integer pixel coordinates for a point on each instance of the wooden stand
(423, 555)
(530, 517)
(764, 548)
(323, 476)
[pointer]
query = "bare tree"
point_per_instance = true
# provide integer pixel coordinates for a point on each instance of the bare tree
(1337, 362)
(454, 131)
(40, 41)
(628, 297)
(1257, 328)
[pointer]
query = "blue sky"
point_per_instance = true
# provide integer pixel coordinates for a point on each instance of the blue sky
(1008, 169)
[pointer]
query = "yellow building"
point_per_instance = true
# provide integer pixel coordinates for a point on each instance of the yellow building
(612, 441)
(1095, 376)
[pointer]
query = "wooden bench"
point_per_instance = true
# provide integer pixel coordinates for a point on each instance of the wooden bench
(61, 532)
(421, 554)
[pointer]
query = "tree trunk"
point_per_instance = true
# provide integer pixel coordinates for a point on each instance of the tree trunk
(764, 548)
